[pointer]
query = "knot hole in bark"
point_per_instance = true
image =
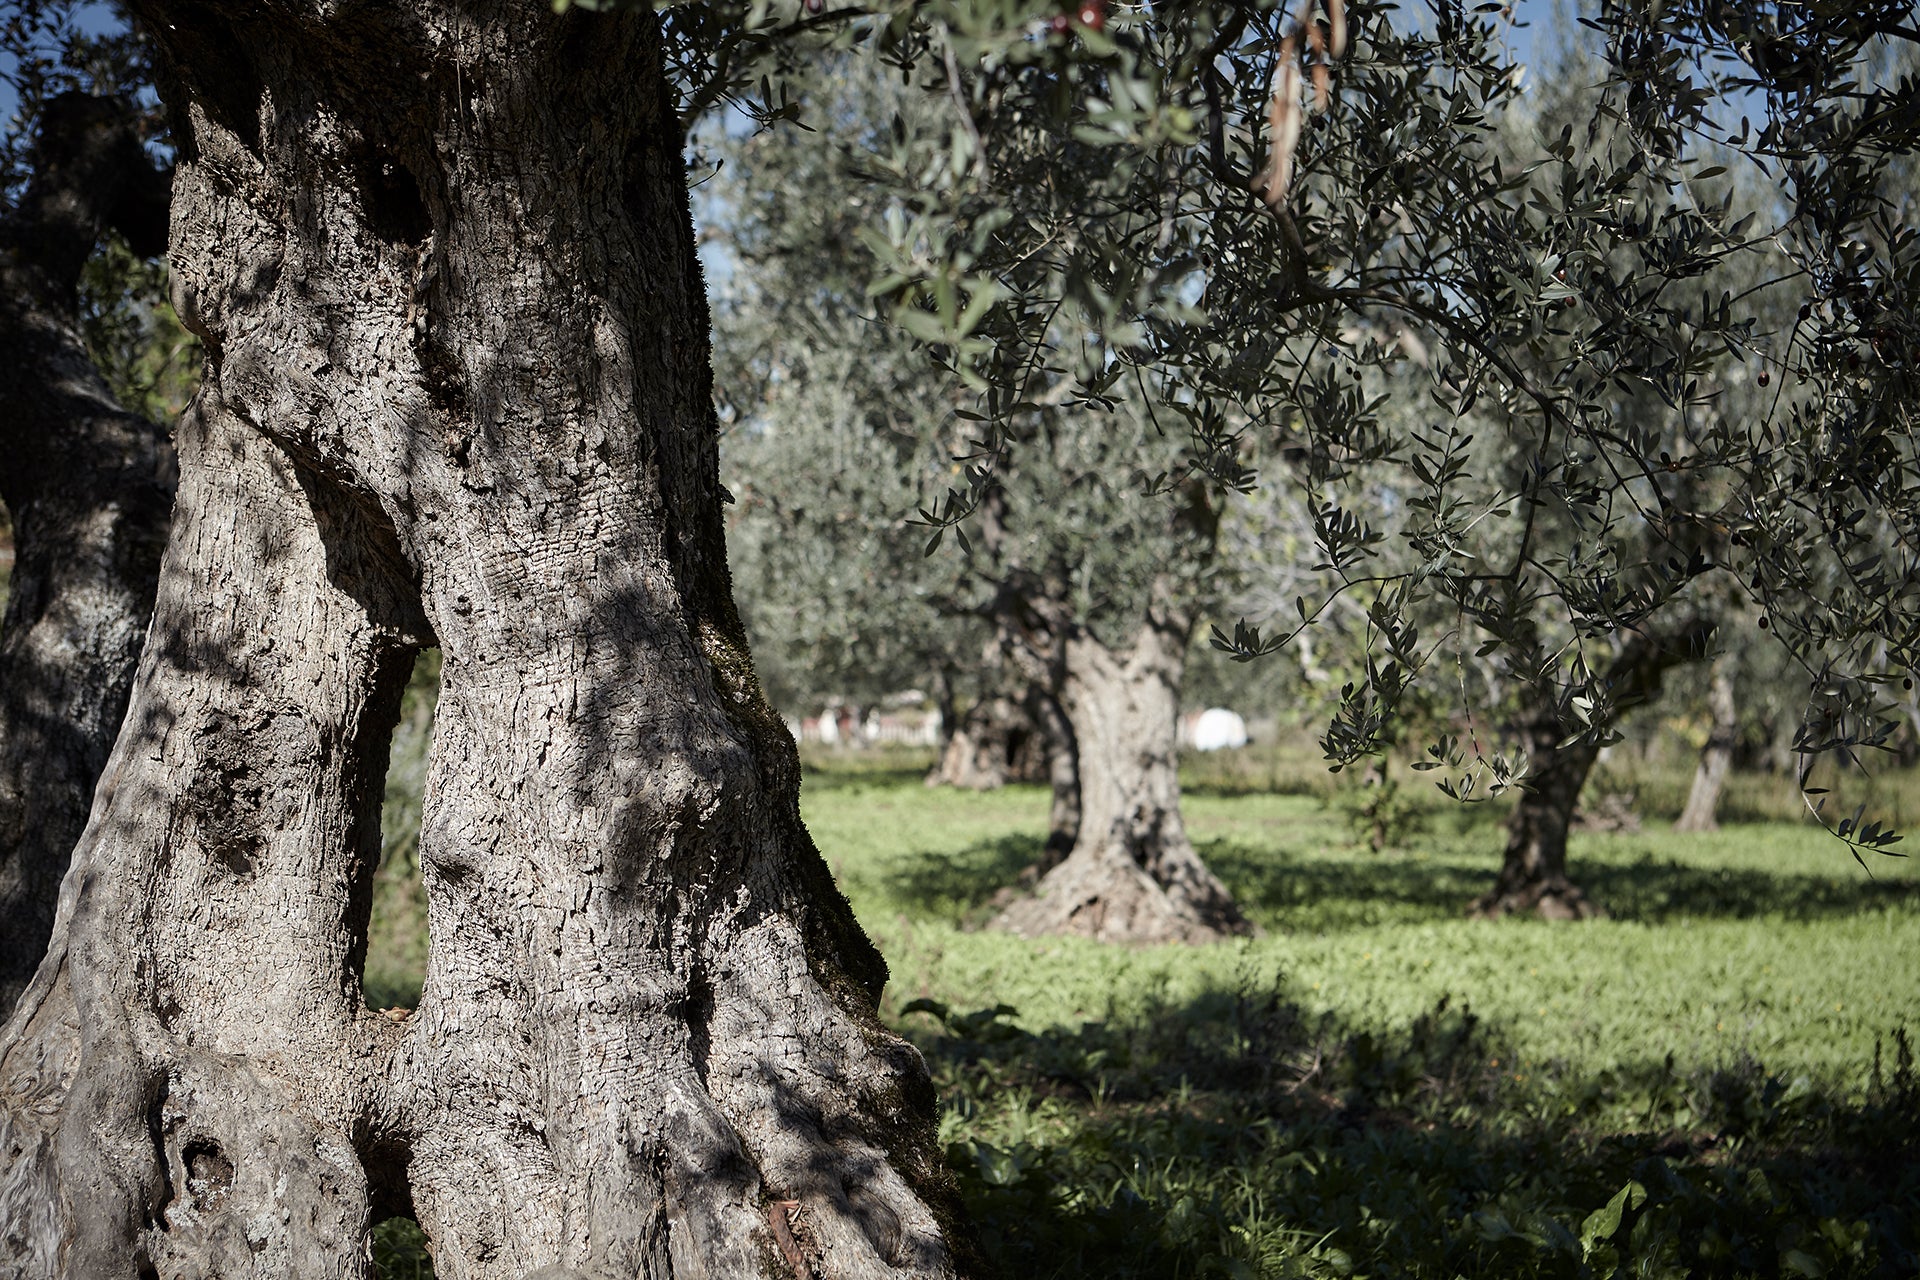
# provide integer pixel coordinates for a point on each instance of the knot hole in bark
(391, 200)
(209, 1173)
(226, 799)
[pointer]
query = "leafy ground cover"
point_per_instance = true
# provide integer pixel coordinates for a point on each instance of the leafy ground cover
(1716, 1080)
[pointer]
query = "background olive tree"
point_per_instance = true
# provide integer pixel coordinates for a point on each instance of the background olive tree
(1264, 210)
(87, 479)
(1078, 580)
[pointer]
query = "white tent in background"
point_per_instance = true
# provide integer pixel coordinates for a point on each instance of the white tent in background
(1218, 729)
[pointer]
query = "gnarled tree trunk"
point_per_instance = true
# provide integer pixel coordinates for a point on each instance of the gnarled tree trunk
(458, 393)
(1716, 757)
(89, 487)
(1533, 872)
(1132, 876)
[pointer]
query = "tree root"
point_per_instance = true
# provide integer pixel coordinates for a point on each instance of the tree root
(1551, 899)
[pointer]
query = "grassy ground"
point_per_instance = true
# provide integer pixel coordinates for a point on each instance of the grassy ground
(1713, 1081)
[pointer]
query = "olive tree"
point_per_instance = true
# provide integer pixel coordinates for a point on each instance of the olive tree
(1087, 589)
(87, 481)
(457, 394)
(1269, 209)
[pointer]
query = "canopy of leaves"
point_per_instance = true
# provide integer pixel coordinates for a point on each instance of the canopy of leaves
(1667, 342)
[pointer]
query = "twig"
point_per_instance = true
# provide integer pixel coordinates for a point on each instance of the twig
(783, 1236)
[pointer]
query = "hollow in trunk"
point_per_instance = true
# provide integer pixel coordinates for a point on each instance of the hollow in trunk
(975, 755)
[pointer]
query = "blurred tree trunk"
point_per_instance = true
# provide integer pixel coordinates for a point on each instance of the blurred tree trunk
(1533, 873)
(1716, 758)
(975, 756)
(1132, 874)
(89, 487)
(999, 741)
(1063, 775)
(458, 393)
(977, 753)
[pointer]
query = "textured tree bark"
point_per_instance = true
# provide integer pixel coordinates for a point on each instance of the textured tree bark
(1716, 757)
(1132, 875)
(89, 487)
(1533, 871)
(458, 394)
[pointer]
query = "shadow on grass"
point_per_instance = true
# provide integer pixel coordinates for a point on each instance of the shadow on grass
(847, 778)
(958, 886)
(1323, 895)
(1661, 889)
(1238, 1134)
(1326, 896)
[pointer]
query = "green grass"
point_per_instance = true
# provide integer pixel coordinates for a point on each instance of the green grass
(1377, 1086)
(1766, 940)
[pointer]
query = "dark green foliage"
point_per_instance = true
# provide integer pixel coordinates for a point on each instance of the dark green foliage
(1545, 366)
(400, 1251)
(1380, 812)
(49, 47)
(838, 426)
(148, 358)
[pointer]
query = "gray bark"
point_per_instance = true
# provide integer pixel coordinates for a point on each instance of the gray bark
(1533, 872)
(89, 487)
(1132, 875)
(1716, 757)
(458, 394)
